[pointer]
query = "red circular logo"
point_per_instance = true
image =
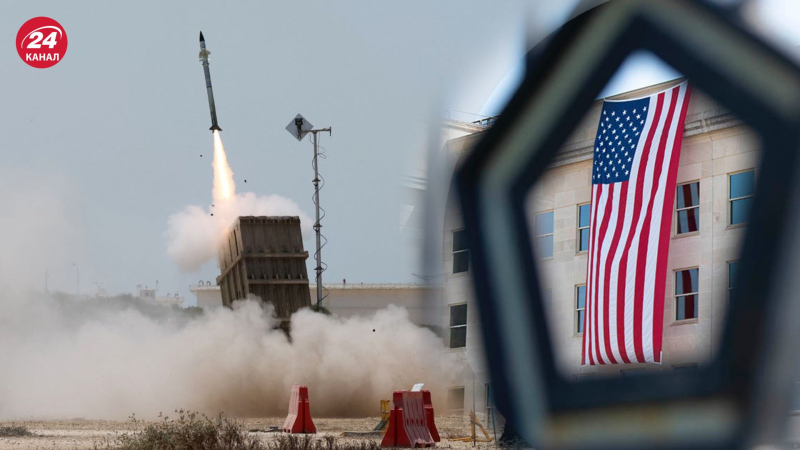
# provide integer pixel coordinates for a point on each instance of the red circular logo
(41, 42)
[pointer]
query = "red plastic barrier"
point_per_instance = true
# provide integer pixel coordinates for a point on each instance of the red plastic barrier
(407, 423)
(429, 417)
(299, 418)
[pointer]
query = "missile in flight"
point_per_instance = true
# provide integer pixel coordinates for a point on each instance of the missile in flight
(204, 59)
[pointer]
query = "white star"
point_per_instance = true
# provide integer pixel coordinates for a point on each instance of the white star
(604, 131)
(644, 109)
(634, 129)
(628, 118)
(617, 119)
(608, 176)
(634, 111)
(638, 116)
(624, 112)
(637, 133)
(604, 113)
(620, 125)
(626, 153)
(612, 113)
(606, 137)
(629, 140)
(606, 119)
(641, 122)
(632, 147)
(623, 166)
(626, 172)
(629, 160)
(619, 160)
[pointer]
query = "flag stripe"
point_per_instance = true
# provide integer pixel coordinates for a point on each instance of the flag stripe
(630, 223)
(661, 269)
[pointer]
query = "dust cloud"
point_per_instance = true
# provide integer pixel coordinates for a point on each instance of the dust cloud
(65, 357)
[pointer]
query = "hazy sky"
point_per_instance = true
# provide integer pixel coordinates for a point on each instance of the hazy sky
(113, 133)
(100, 149)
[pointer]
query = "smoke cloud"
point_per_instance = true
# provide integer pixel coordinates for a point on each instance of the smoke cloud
(194, 234)
(108, 358)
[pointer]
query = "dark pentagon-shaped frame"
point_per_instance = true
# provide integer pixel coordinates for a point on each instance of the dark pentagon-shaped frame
(741, 397)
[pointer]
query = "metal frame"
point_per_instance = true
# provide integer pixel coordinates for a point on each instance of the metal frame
(739, 398)
(675, 296)
(678, 210)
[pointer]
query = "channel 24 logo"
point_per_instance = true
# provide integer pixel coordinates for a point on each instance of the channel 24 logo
(41, 42)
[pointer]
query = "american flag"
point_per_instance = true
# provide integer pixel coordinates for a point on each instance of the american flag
(636, 156)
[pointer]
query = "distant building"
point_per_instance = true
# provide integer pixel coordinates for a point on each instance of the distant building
(357, 299)
(149, 295)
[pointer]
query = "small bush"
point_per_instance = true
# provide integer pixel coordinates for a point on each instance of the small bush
(189, 431)
(306, 442)
(14, 431)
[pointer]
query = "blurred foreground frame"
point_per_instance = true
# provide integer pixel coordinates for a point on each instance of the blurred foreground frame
(740, 399)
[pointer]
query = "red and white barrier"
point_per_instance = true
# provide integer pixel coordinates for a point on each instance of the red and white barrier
(407, 422)
(429, 416)
(299, 419)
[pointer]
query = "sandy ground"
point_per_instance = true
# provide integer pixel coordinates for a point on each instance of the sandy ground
(87, 434)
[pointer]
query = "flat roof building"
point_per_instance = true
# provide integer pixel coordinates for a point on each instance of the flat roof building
(717, 168)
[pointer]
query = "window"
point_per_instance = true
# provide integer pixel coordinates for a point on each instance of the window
(688, 208)
(740, 196)
(685, 368)
(686, 287)
(584, 211)
(455, 400)
(489, 404)
(733, 266)
(458, 326)
(627, 373)
(543, 230)
(460, 252)
(580, 307)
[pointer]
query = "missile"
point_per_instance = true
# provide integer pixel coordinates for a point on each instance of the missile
(204, 59)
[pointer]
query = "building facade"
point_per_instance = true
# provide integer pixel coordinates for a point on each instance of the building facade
(717, 170)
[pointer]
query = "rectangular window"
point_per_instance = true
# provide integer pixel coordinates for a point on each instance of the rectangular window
(458, 326)
(627, 373)
(455, 400)
(580, 307)
(584, 211)
(740, 196)
(733, 266)
(543, 234)
(460, 252)
(686, 288)
(489, 404)
(688, 207)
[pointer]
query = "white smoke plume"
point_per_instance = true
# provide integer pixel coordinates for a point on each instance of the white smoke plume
(194, 233)
(109, 358)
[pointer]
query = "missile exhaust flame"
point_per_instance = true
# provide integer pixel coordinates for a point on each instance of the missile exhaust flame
(224, 187)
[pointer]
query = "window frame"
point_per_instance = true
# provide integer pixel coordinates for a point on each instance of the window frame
(730, 288)
(731, 200)
(451, 326)
(579, 228)
(675, 296)
(686, 208)
(464, 396)
(537, 236)
(577, 309)
(454, 252)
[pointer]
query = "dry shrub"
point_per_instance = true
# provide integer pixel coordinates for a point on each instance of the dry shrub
(14, 431)
(192, 431)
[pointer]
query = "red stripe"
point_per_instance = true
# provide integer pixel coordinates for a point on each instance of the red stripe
(637, 211)
(587, 333)
(644, 237)
(602, 237)
(612, 252)
(661, 267)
